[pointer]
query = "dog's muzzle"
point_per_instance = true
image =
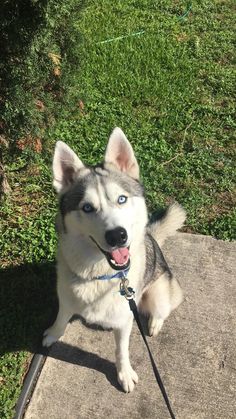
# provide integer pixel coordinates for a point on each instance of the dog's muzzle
(119, 257)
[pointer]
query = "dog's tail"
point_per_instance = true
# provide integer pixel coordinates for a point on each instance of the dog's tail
(167, 225)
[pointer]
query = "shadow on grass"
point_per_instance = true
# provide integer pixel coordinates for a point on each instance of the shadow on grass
(28, 304)
(20, 20)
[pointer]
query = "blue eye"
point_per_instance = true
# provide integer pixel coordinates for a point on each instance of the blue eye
(122, 199)
(87, 208)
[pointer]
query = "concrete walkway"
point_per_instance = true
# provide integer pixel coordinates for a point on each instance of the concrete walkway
(195, 351)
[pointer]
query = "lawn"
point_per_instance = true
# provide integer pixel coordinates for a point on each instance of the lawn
(170, 85)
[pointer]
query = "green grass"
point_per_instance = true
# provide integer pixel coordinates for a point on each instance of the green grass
(171, 90)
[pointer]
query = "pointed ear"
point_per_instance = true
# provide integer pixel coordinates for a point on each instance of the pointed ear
(65, 166)
(120, 153)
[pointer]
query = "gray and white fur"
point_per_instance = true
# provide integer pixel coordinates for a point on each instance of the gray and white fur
(103, 227)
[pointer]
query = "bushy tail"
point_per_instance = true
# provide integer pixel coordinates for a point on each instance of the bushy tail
(167, 225)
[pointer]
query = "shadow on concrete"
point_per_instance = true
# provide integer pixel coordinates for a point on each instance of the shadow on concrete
(28, 305)
(73, 355)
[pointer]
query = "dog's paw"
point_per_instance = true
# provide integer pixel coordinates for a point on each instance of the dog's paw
(49, 338)
(127, 378)
(154, 325)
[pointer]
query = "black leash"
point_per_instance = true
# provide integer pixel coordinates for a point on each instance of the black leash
(133, 308)
(128, 293)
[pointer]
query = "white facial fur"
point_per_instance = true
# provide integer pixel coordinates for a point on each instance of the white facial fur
(107, 215)
(102, 194)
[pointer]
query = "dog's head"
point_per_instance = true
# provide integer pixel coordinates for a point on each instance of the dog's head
(103, 205)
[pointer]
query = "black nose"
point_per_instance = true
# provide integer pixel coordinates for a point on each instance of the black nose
(116, 237)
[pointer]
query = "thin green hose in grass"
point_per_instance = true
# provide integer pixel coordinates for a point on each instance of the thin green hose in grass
(138, 33)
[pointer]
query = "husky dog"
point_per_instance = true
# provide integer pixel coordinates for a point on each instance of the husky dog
(103, 228)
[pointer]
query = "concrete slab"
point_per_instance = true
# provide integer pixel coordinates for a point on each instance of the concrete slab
(195, 351)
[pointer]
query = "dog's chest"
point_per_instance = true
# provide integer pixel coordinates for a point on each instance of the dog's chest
(100, 302)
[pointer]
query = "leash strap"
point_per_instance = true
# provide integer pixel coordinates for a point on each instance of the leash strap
(134, 310)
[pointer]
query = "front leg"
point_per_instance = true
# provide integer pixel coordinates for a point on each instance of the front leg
(127, 377)
(54, 332)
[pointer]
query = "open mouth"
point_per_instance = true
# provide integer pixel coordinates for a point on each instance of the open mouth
(118, 259)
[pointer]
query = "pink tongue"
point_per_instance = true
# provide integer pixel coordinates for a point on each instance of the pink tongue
(120, 255)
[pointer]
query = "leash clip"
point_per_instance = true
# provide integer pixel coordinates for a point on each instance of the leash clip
(125, 290)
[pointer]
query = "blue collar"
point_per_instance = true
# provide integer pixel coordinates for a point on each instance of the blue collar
(119, 274)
